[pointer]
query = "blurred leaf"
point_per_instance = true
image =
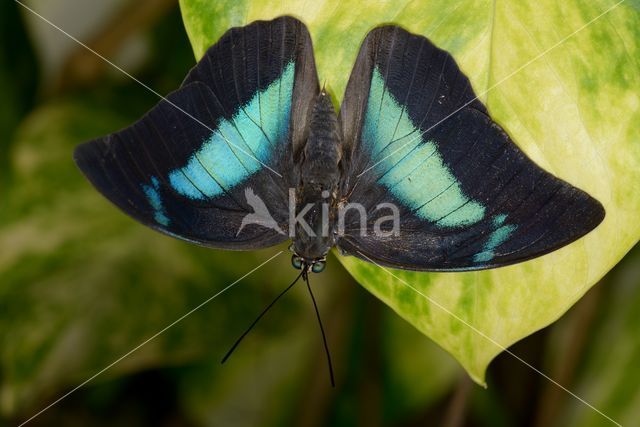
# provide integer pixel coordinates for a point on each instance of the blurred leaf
(609, 376)
(251, 389)
(574, 111)
(168, 71)
(408, 358)
(18, 79)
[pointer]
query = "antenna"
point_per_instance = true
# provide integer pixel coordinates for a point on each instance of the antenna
(324, 338)
(226, 356)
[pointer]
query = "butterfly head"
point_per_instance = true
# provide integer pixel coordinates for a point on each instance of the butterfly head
(314, 265)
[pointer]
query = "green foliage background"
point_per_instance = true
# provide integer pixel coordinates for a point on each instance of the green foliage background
(81, 284)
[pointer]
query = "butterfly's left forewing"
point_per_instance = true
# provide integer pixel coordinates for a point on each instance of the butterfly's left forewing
(221, 147)
(416, 138)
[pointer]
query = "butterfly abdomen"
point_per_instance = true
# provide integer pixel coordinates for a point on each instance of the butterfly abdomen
(317, 194)
(322, 151)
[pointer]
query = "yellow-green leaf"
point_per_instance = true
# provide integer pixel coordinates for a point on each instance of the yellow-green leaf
(562, 78)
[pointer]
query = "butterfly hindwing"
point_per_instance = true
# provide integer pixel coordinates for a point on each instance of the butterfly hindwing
(193, 165)
(468, 198)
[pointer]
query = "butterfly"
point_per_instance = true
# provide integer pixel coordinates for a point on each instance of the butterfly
(413, 173)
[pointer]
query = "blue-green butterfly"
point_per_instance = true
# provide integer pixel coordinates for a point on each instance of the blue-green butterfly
(250, 122)
(413, 173)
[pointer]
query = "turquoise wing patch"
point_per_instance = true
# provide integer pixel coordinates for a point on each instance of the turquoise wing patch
(410, 166)
(239, 146)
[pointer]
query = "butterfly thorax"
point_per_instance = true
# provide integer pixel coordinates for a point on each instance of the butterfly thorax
(317, 194)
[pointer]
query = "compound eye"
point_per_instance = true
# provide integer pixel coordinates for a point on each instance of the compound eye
(318, 266)
(297, 262)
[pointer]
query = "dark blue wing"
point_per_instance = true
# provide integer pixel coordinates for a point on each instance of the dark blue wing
(194, 166)
(468, 198)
